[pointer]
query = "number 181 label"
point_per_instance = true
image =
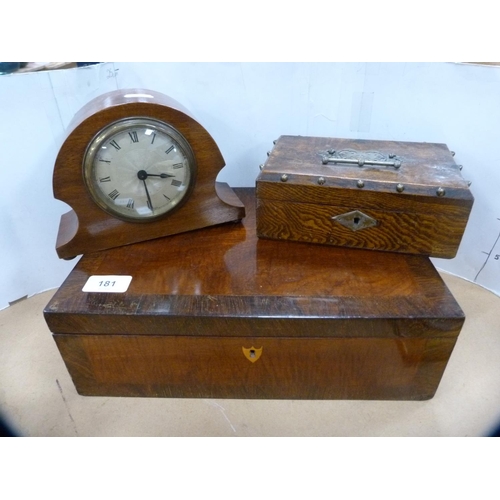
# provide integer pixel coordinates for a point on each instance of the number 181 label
(107, 284)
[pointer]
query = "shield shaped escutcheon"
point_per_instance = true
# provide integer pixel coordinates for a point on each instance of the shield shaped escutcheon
(252, 354)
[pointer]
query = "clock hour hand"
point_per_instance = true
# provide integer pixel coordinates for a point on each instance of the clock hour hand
(163, 176)
(142, 174)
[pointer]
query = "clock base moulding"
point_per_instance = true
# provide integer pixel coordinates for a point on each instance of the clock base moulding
(71, 241)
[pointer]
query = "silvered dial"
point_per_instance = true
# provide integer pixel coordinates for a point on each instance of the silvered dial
(139, 169)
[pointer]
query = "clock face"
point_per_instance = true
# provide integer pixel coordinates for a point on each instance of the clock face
(139, 169)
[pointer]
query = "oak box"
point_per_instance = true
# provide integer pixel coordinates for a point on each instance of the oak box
(393, 196)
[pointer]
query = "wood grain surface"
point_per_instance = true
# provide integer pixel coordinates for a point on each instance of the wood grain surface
(289, 368)
(415, 220)
(332, 322)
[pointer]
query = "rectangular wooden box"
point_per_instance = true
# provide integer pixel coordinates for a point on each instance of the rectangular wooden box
(218, 313)
(404, 197)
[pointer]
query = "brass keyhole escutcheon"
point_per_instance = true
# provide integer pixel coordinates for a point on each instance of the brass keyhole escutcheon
(252, 354)
(355, 220)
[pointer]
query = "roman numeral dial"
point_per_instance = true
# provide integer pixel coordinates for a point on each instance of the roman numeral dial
(139, 169)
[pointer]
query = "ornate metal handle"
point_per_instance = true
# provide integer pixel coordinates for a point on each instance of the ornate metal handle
(361, 163)
(360, 158)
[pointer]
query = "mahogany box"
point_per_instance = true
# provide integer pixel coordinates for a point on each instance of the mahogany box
(406, 197)
(219, 313)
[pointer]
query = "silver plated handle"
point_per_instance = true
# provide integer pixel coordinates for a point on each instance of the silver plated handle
(361, 163)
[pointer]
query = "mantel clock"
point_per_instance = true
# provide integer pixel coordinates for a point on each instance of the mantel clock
(136, 166)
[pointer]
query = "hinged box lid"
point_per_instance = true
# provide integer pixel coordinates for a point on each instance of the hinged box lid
(369, 178)
(224, 282)
(407, 168)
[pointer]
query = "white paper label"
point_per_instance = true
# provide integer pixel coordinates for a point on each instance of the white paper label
(107, 284)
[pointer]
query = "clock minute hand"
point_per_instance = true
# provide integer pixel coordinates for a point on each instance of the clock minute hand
(150, 203)
(143, 175)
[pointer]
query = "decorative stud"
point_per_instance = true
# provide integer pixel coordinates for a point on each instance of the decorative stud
(452, 153)
(400, 188)
(284, 177)
(321, 181)
(440, 192)
(269, 153)
(261, 166)
(360, 184)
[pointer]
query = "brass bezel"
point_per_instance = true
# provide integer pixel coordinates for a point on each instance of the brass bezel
(117, 127)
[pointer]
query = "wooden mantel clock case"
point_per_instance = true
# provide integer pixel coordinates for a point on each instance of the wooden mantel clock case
(136, 166)
(223, 314)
